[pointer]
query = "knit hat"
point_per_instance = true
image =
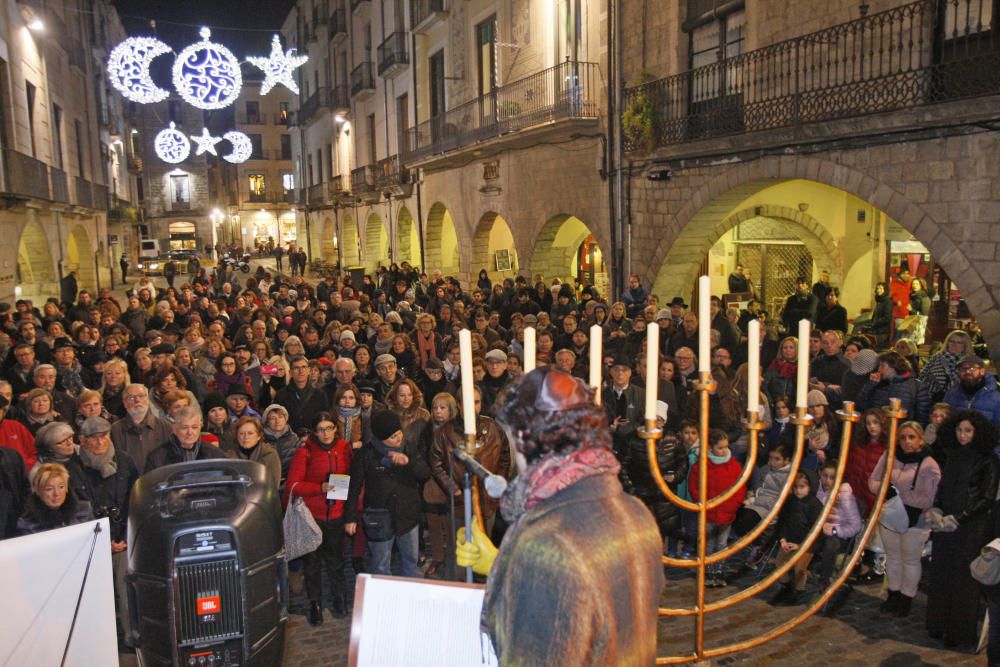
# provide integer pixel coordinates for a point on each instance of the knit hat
(347, 334)
(213, 400)
(274, 407)
(865, 362)
(663, 314)
(434, 364)
(238, 389)
(816, 397)
(384, 424)
(50, 434)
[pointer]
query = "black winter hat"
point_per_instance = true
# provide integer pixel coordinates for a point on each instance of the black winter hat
(213, 400)
(384, 424)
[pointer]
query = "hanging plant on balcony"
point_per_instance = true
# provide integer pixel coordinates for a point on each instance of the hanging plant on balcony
(639, 119)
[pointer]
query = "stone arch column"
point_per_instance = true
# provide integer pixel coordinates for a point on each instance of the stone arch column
(36, 271)
(441, 243)
(558, 260)
(376, 244)
(349, 241)
(408, 238)
(80, 258)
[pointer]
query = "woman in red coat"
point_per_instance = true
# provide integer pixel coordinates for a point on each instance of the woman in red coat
(723, 471)
(322, 455)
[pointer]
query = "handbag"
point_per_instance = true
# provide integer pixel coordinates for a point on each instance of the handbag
(986, 567)
(377, 523)
(302, 533)
(894, 516)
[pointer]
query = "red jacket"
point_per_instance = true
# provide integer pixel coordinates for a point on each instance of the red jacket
(900, 293)
(311, 468)
(861, 461)
(15, 435)
(721, 476)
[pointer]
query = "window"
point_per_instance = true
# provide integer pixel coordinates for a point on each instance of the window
(30, 91)
(286, 147)
(57, 148)
(371, 139)
(319, 166)
(258, 147)
(258, 187)
(402, 118)
(287, 182)
(485, 53)
(80, 155)
(180, 192)
(253, 112)
(436, 75)
(283, 113)
(715, 41)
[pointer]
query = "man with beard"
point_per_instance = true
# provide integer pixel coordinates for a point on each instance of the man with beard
(828, 368)
(184, 443)
(799, 306)
(497, 379)
(140, 432)
(68, 368)
(976, 389)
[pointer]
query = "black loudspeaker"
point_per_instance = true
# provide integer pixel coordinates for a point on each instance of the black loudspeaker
(206, 566)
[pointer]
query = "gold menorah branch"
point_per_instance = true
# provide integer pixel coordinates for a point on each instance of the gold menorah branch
(705, 386)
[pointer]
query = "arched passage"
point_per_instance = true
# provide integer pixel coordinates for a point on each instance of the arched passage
(408, 239)
(36, 274)
(376, 244)
(328, 242)
(565, 247)
(80, 258)
(493, 236)
(349, 242)
(441, 243)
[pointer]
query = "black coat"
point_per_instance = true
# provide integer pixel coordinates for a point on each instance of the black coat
(170, 452)
(14, 490)
(395, 488)
(109, 496)
(38, 517)
(302, 404)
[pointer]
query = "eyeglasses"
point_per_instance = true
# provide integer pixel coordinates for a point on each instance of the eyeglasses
(134, 398)
(326, 429)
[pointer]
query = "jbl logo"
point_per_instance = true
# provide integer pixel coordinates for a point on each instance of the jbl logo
(209, 604)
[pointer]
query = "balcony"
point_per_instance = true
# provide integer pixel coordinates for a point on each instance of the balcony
(311, 105)
(392, 55)
(425, 14)
(896, 60)
(317, 195)
(83, 194)
(102, 202)
(252, 119)
(542, 104)
(60, 185)
(123, 211)
(340, 99)
(180, 205)
(26, 176)
(337, 187)
(338, 26)
(392, 176)
(363, 81)
(363, 184)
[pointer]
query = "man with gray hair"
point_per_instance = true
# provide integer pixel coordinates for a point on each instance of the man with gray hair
(45, 376)
(344, 372)
(140, 431)
(184, 443)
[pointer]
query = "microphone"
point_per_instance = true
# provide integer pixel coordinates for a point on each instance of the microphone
(495, 485)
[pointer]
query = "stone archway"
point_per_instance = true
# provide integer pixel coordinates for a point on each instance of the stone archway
(349, 242)
(36, 273)
(80, 258)
(407, 239)
(441, 244)
(376, 244)
(492, 234)
(557, 247)
(328, 241)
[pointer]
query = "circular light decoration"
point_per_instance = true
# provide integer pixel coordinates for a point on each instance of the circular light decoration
(242, 147)
(279, 67)
(171, 145)
(207, 75)
(128, 69)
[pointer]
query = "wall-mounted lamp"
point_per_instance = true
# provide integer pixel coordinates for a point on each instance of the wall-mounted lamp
(36, 25)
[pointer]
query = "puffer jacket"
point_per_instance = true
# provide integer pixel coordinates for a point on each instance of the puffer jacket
(670, 455)
(766, 494)
(845, 516)
(861, 460)
(986, 400)
(720, 477)
(877, 394)
(286, 444)
(311, 467)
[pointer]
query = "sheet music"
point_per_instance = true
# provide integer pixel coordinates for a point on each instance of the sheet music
(408, 622)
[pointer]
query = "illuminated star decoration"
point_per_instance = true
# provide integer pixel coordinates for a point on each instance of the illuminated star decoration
(279, 67)
(242, 147)
(128, 69)
(207, 75)
(205, 141)
(171, 145)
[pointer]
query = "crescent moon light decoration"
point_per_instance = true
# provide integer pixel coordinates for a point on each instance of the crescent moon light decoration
(128, 69)
(207, 75)
(171, 145)
(242, 147)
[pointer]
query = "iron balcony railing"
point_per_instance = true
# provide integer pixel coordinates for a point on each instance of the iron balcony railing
(60, 185)
(422, 10)
(83, 193)
(26, 176)
(317, 194)
(312, 105)
(392, 53)
(570, 90)
(338, 24)
(252, 119)
(362, 79)
(336, 186)
(390, 172)
(919, 53)
(340, 98)
(102, 201)
(362, 180)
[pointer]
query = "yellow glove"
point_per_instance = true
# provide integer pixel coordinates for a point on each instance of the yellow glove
(480, 554)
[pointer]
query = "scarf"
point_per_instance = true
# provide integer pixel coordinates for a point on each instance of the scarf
(250, 453)
(105, 463)
(940, 373)
(719, 460)
(274, 435)
(550, 475)
(426, 348)
(383, 451)
(786, 369)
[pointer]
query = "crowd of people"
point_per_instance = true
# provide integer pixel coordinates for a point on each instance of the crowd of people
(318, 378)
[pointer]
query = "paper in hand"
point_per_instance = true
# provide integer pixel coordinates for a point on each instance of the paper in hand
(339, 484)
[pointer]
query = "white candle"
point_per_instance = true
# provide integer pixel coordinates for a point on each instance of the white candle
(704, 324)
(753, 367)
(529, 349)
(652, 368)
(803, 365)
(595, 361)
(468, 397)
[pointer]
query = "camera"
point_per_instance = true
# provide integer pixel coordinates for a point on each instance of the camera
(114, 514)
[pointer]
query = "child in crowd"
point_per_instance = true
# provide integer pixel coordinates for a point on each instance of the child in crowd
(797, 517)
(766, 486)
(781, 429)
(689, 520)
(843, 523)
(723, 472)
(939, 413)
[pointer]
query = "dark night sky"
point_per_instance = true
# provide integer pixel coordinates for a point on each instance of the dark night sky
(248, 24)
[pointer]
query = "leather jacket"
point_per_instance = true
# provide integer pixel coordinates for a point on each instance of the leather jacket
(493, 452)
